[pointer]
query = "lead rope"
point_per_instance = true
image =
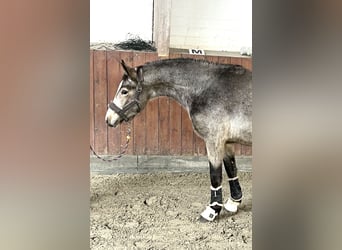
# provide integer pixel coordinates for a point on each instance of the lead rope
(123, 148)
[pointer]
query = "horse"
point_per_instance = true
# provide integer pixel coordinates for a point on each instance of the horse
(218, 99)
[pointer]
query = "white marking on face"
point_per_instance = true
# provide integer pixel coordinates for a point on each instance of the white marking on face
(112, 117)
(115, 100)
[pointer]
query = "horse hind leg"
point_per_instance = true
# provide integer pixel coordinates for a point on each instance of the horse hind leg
(235, 188)
(215, 157)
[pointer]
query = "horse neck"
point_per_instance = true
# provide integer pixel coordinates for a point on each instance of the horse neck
(164, 83)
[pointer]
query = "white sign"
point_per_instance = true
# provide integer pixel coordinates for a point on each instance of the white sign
(196, 52)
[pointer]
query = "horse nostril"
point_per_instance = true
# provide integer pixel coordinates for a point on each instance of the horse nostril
(110, 125)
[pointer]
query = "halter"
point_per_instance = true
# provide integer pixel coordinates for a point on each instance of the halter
(135, 101)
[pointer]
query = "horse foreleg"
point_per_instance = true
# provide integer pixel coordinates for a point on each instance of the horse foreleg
(235, 189)
(215, 165)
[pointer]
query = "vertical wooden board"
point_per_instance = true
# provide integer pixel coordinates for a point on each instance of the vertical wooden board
(100, 99)
(247, 63)
(237, 148)
(152, 118)
(164, 125)
(246, 150)
(236, 60)
(152, 126)
(212, 59)
(196, 57)
(163, 122)
(151, 57)
(175, 128)
(175, 122)
(249, 150)
(127, 56)
(139, 58)
(175, 55)
(114, 78)
(91, 97)
(224, 60)
(187, 134)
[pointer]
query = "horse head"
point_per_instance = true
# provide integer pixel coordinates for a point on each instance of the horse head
(129, 99)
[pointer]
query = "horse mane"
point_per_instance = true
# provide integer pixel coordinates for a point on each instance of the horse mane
(233, 68)
(182, 59)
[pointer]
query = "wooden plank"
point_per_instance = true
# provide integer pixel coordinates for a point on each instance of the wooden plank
(127, 56)
(175, 128)
(151, 57)
(236, 60)
(91, 98)
(187, 134)
(152, 118)
(164, 118)
(237, 148)
(100, 99)
(212, 59)
(175, 55)
(224, 60)
(247, 63)
(140, 120)
(114, 77)
(164, 125)
(175, 125)
(246, 150)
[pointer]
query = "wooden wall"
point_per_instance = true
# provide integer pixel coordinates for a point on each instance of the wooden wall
(162, 128)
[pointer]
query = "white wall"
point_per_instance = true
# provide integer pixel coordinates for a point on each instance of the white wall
(211, 25)
(113, 20)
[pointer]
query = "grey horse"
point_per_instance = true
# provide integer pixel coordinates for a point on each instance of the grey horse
(218, 99)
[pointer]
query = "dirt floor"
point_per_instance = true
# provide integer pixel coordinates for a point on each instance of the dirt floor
(161, 211)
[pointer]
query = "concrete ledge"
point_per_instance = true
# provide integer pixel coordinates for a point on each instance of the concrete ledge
(157, 163)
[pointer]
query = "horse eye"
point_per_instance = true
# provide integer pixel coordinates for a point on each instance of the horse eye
(124, 92)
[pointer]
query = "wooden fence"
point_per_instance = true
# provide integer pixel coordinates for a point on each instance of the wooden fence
(162, 128)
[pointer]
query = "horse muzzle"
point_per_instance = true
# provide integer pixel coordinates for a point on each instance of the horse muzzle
(112, 119)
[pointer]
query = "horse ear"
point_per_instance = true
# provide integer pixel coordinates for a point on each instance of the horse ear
(125, 67)
(135, 74)
(140, 74)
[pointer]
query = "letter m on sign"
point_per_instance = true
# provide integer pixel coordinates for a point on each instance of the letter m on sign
(196, 52)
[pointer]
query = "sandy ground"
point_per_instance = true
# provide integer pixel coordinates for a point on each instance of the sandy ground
(161, 211)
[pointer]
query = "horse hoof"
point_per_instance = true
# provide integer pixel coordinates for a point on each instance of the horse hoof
(232, 206)
(208, 215)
